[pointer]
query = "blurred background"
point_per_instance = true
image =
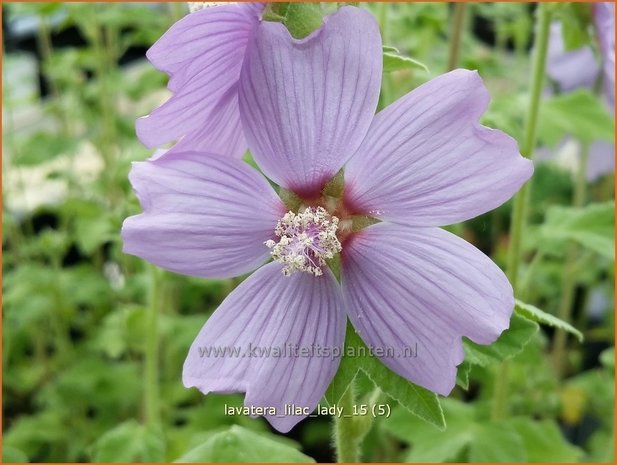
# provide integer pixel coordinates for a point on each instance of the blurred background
(87, 337)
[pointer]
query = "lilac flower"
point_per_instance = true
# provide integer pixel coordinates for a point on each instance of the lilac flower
(203, 54)
(580, 68)
(604, 19)
(569, 69)
(307, 109)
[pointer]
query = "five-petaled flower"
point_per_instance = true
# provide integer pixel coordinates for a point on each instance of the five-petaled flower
(308, 110)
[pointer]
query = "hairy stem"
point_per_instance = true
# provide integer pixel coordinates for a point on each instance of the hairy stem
(519, 207)
(346, 441)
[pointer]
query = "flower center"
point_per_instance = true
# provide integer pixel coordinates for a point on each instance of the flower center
(307, 240)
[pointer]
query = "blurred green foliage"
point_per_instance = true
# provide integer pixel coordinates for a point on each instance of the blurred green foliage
(75, 313)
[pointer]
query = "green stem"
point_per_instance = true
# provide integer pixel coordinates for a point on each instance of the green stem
(529, 143)
(346, 441)
(46, 50)
(564, 311)
(519, 207)
(458, 23)
(102, 44)
(151, 361)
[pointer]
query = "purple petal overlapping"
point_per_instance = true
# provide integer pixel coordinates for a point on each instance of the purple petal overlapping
(307, 108)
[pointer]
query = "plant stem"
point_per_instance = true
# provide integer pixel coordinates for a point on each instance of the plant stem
(45, 47)
(151, 355)
(521, 199)
(346, 441)
(458, 23)
(103, 47)
(564, 311)
(529, 142)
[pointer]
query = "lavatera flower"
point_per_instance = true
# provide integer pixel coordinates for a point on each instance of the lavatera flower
(307, 108)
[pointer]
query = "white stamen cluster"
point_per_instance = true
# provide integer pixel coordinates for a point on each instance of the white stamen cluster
(307, 240)
(196, 6)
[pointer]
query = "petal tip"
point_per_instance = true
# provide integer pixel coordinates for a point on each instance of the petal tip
(144, 132)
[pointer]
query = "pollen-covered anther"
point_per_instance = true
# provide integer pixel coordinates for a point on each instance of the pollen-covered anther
(196, 6)
(307, 240)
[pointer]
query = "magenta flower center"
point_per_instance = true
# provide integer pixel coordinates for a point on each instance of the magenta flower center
(306, 240)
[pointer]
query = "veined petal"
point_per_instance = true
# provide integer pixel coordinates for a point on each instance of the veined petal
(203, 54)
(200, 32)
(427, 161)
(404, 286)
(266, 312)
(220, 134)
(204, 215)
(306, 104)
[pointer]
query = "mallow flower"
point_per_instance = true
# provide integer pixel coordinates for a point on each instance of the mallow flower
(308, 112)
(569, 69)
(203, 55)
(572, 69)
(604, 20)
(580, 68)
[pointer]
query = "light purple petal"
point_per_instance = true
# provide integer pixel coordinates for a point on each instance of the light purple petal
(306, 104)
(427, 161)
(269, 311)
(404, 285)
(203, 54)
(204, 215)
(220, 134)
(604, 18)
(601, 160)
(573, 69)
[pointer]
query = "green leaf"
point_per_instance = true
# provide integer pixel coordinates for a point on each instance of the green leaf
(472, 438)
(42, 147)
(544, 442)
(575, 19)
(130, 442)
(238, 444)
(430, 445)
(580, 114)
(417, 400)
(467, 438)
(37, 432)
(535, 314)
(592, 226)
(607, 358)
(601, 447)
(121, 330)
(462, 375)
(495, 443)
(13, 455)
(509, 344)
(394, 61)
